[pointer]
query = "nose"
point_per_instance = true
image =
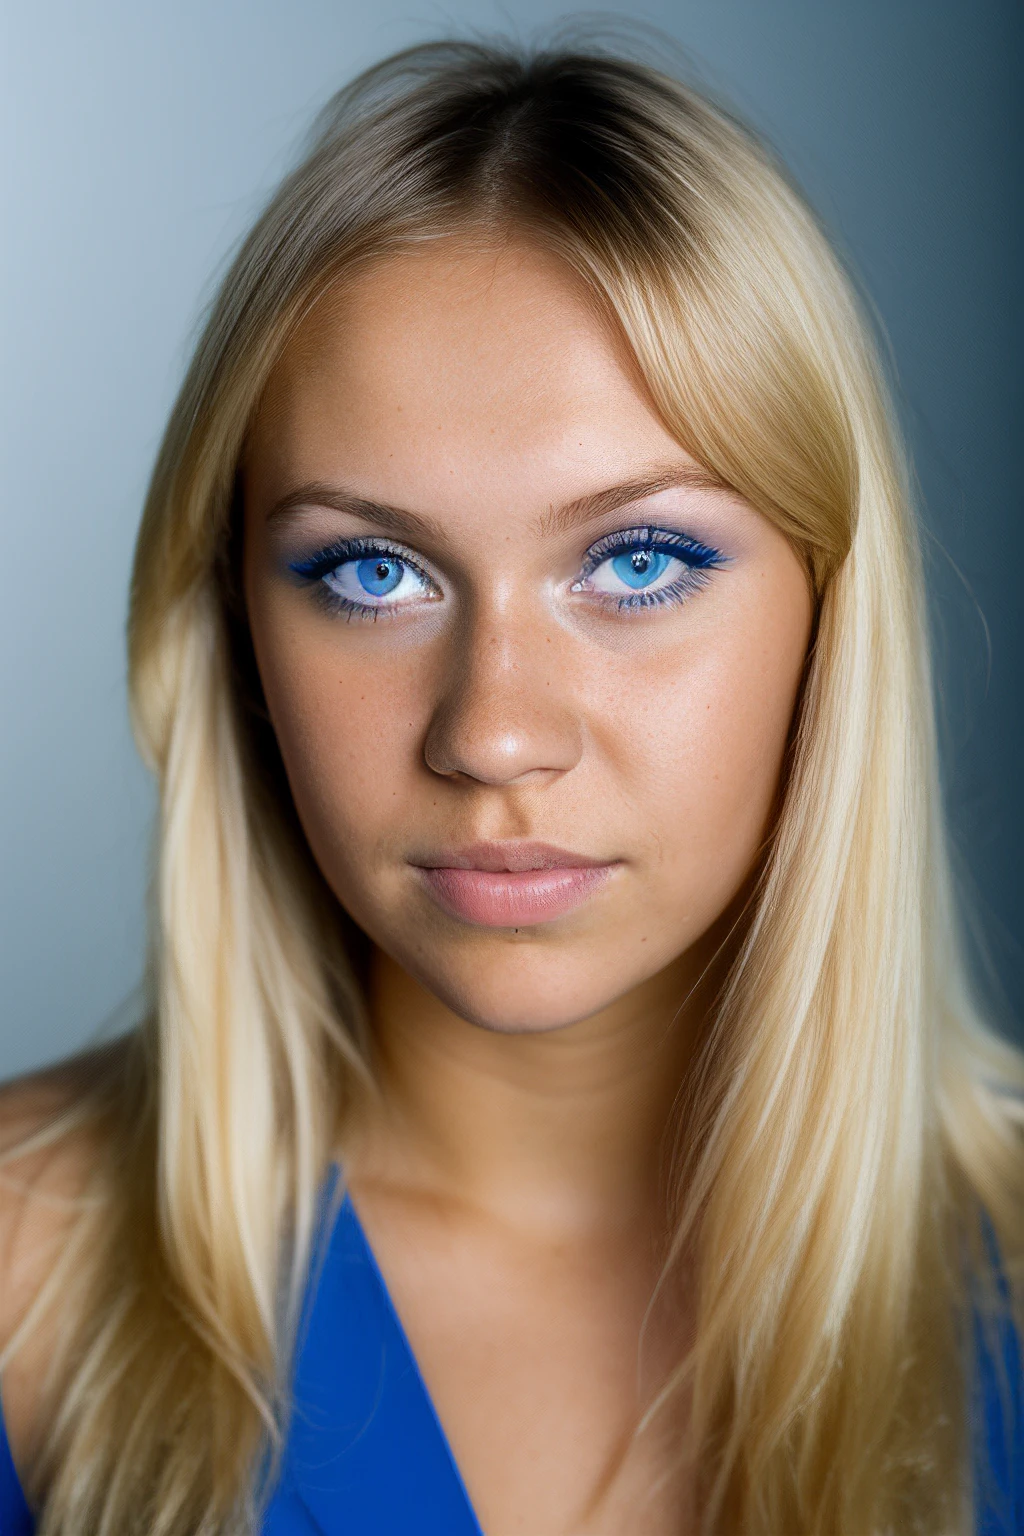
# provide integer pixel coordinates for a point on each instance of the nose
(505, 716)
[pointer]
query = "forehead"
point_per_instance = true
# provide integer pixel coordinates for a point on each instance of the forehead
(451, 369)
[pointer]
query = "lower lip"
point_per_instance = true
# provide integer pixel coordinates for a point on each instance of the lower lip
(513, 899)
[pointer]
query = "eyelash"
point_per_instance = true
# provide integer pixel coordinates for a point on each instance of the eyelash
(697, 559)
(317, 567)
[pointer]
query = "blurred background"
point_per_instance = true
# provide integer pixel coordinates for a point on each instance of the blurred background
(140, 140)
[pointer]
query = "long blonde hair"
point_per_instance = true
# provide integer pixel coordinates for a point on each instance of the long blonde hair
(852, 1125)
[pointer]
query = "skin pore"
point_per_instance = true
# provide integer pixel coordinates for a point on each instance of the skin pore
(495, 605)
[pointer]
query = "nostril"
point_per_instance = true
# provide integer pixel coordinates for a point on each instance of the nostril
(508, 712)
(476, 743)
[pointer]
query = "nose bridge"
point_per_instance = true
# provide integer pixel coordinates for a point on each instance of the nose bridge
(506, 711)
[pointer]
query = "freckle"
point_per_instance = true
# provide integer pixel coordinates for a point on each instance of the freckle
(644, 939)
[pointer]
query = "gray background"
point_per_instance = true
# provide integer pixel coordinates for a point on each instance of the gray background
(140, 139)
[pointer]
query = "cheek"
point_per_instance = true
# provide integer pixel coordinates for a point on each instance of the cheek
(349, 730)
(700, 749)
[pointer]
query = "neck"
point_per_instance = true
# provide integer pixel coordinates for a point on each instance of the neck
(559, 1130)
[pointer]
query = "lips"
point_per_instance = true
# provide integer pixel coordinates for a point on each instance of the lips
(511, 885)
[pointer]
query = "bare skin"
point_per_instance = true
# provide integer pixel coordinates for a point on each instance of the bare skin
(467, 415)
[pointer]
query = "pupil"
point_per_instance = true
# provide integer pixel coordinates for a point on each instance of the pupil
(383, 570)
(640, 561)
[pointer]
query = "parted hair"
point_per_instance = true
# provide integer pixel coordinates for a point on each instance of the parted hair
(851, 1178)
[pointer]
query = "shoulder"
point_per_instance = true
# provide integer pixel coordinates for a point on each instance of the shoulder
(49, 1148)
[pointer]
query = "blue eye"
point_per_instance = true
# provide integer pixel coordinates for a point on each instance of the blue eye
(379, 576)
(642, 567)
(363, 578)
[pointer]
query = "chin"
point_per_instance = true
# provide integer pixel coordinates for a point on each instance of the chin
(521, 992)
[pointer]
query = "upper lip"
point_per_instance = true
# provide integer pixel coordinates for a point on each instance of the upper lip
(509, 858)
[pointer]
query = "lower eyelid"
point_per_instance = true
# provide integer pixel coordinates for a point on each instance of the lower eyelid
(686, 585)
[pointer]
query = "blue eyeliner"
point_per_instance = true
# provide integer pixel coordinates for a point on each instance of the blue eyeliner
(654, 566)
(642, 555)
(328, 559)
(372, 569)
(692, 551)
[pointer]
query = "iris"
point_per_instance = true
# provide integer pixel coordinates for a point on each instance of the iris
(379, 575)
(640, 567)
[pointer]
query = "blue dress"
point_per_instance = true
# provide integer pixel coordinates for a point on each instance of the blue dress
(366, 1453)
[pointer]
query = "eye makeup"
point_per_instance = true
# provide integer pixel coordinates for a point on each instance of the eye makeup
(646, 567)
(363, 578)
(629, 569)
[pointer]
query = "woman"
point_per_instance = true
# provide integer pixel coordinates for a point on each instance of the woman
(559, 1029)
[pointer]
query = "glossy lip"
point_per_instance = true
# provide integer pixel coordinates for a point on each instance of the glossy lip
(511, 885)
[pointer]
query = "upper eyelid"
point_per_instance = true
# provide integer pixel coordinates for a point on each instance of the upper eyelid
(637, 532)
(350, 548)
(342, 550)
(650, 533)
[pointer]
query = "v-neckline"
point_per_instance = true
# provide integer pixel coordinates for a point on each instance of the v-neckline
(366, 1449)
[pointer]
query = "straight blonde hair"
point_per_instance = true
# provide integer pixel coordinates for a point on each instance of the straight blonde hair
(852, 1131)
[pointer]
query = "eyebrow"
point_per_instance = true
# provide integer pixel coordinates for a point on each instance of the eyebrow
(586, 509)
(395, 520)
(404, 524)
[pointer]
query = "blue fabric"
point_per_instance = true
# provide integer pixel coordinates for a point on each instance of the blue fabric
(366, 1455)
(366, 1452)
(15, 1515)
(999, 1405)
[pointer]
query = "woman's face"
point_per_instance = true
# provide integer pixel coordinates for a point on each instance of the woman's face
(531, 673)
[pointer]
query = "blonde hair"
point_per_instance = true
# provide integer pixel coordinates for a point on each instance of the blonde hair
(851, 1120)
